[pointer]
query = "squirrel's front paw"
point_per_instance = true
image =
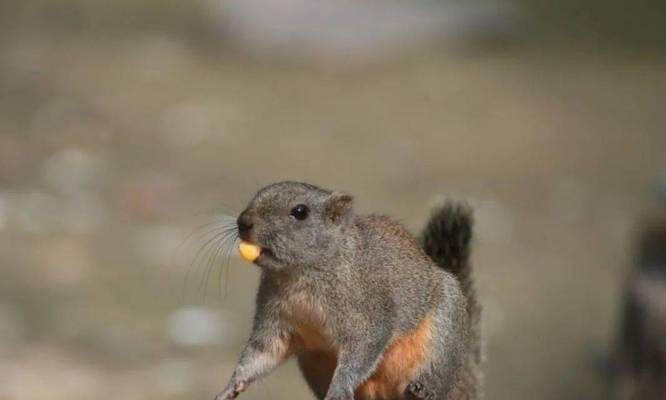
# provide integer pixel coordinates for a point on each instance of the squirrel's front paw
(232, 391)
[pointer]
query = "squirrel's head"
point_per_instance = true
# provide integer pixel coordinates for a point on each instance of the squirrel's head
(295, 223)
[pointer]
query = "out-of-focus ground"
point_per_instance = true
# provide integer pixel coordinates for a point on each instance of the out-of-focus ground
(121, 133)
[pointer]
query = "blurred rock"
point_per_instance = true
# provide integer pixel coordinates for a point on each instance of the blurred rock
(199, 326)
(71, 170)
(36, 212)
(347, 30)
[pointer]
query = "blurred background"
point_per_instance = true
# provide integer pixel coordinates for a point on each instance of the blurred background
(125, 125)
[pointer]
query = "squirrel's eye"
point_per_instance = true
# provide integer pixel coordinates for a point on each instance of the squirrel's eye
(300, 212)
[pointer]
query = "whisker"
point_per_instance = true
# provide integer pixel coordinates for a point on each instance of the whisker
(211, 231)
(210, 246)
(226, 254)
(230, 246)
(202, 255)
(227, 263)
(215, 249)
(215, 240)
(222, 221)
(222, 250)
(213, 257)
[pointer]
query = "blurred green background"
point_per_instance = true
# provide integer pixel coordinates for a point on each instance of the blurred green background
(125, 125)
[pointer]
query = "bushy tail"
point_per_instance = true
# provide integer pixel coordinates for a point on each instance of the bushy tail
(446, 239)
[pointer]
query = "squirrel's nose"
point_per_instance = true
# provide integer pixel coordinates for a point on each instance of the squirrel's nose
(245, 223)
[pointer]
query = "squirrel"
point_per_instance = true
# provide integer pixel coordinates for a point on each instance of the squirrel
(370, 311)
(638, 365)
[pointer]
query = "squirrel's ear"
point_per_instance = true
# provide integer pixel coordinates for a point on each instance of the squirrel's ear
(338, 205)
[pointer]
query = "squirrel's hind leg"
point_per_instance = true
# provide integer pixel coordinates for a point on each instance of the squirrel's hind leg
(450, 371)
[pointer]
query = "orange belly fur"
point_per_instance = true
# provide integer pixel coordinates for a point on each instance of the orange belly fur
(399, 364)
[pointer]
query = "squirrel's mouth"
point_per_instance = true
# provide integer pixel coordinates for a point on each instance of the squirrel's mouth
(256, 253)
(266, 258)
(265, 253)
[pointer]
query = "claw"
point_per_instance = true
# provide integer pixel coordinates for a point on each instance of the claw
(419, 391)
(232, 393)
(239, 387)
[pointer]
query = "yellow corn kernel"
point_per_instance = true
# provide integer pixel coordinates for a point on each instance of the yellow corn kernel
(249, 251)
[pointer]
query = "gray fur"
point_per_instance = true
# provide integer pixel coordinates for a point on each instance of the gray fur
(364, 281)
